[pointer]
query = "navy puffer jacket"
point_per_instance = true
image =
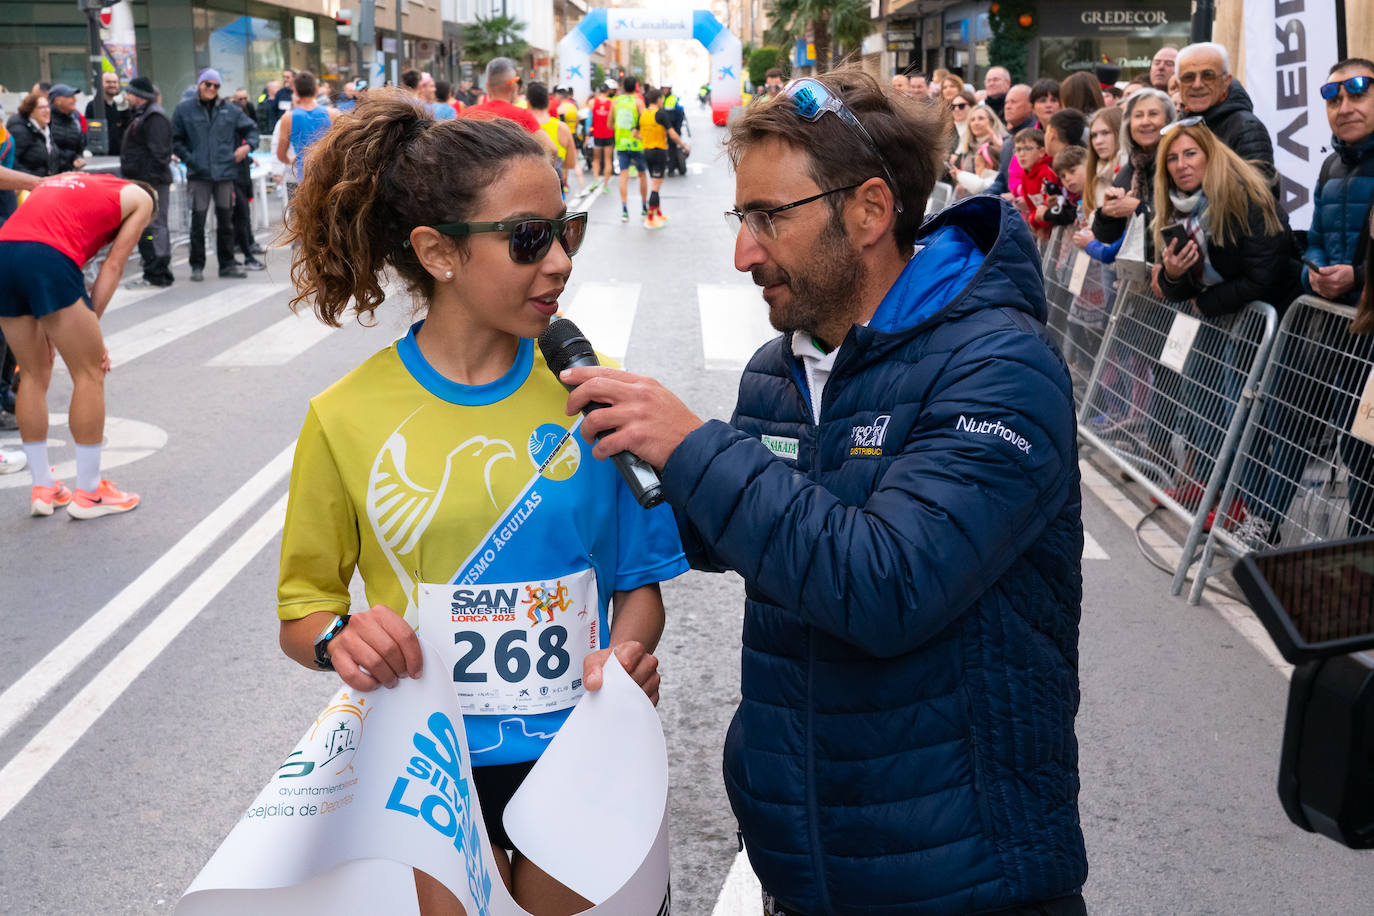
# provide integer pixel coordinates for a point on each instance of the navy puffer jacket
(905, 740)
(1340, 212)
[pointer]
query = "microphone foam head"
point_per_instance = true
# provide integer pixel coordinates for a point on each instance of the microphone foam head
(562, 343)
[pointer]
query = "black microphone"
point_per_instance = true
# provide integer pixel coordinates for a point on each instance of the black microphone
(564, 347)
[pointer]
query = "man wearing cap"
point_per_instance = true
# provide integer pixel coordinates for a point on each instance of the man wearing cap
(68, 135)
(146, 155)
(212, 137)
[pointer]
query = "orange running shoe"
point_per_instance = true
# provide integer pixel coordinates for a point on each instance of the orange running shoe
(44, 499)
(106, 500)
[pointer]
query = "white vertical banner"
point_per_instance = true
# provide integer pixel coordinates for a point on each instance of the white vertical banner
(381, 784)
(1289, 47)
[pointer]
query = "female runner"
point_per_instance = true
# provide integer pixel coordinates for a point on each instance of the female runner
(444, 468)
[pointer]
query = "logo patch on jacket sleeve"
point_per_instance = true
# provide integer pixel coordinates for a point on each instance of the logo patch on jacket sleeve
(781, 446)
(993, 428)
(868, 440)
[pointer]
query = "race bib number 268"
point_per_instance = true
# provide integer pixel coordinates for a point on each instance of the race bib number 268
(514, 647)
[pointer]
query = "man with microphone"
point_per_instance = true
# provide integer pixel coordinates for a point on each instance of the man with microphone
(899, 490)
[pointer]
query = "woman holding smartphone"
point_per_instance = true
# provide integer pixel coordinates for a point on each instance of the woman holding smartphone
(1221, 238)
(1222, 245)
(444, 470)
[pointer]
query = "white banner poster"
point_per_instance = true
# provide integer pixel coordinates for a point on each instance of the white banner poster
(381, 784)
(640, 23)
(1289, 47)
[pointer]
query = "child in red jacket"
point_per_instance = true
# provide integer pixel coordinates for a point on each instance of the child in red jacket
(1030, 154)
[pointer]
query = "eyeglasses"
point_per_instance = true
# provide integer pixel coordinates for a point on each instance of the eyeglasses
(959, 106)
(1186, 122)
(530, 239)
(760, 222)
(812, 99)
(1205, 76)
(1356, 85)
(210, 84)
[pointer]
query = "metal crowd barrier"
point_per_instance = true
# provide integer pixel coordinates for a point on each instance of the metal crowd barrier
(1080, 293)
(1304, 469)
(1168, 397)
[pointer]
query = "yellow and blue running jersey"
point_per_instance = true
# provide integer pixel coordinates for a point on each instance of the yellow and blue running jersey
(479, 513)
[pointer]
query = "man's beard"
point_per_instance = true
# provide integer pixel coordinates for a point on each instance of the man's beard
(824, 289)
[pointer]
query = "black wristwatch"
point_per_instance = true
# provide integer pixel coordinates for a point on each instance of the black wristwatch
(322, 641)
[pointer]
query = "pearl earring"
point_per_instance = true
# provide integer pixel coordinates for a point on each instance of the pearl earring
(448, 275)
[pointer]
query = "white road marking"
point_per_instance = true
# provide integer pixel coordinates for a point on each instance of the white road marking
(605, 313)
(1093, 550)
(20, 698)
(734, 323)
(131, 343)
(52, 742)
(276, 345)
(1240, 617)
(741, 895)
(126, 441)
(123, 297)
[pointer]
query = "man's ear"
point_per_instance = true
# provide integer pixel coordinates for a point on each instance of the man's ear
(874, 212)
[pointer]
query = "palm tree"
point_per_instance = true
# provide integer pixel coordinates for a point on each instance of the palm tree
(842, 22)
(498, 36)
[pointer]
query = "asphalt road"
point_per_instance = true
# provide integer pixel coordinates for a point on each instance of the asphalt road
(145, 701)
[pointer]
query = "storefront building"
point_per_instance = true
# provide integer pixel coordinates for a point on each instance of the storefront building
(247, 41)
(1072, 36)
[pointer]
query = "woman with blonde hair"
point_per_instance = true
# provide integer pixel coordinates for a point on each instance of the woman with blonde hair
(1222, 244)
(1234, 247)
(950, 87)
(975, 160)
(1104, 157)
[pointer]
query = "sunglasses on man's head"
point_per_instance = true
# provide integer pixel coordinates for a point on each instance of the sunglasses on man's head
(530, 239)
(812, 99)
(1355, 85)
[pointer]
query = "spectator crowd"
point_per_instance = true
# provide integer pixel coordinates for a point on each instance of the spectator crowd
(1173, 171)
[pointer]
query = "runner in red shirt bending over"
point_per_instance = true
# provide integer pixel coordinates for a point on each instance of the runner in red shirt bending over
(43, 300)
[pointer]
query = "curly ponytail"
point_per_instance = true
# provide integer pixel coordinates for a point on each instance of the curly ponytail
(373, 177)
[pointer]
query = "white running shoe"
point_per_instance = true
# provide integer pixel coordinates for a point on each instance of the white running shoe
(11, 461)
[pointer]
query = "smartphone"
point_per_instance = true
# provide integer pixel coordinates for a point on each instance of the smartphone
(1175, 231)
(1312, 267)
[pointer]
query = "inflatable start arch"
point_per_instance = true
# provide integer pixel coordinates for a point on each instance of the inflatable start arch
(601, 25)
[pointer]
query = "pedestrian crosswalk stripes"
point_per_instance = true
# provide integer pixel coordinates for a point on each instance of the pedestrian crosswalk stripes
(605, 312)
(276, 344)
(129, 344)
(1093, 550)
(127, 297)
(734, 323)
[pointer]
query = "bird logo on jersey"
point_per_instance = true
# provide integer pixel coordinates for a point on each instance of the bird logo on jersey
(400, 509)
(554, 451)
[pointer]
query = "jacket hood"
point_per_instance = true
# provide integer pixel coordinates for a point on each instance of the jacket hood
(974, 255)
(1352, 153)
(1237, 99)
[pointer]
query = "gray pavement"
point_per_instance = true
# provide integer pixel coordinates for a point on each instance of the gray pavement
(164, 746)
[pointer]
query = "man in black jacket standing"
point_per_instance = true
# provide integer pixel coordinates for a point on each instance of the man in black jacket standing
(68, 136)
(1208, 90)
(117, 111)
(146, 155)
(208, 135)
